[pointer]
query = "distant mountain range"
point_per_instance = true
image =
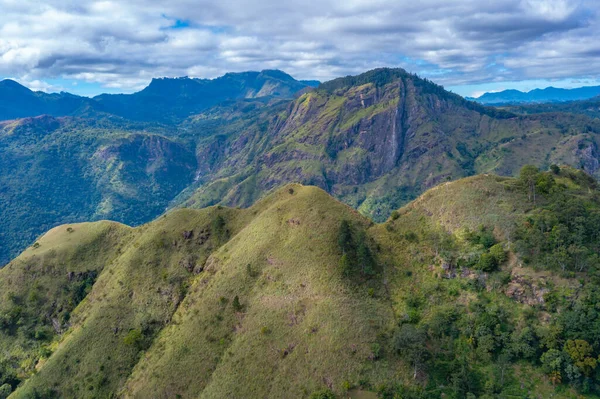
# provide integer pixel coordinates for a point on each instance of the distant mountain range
(547, 95)
(164, 100)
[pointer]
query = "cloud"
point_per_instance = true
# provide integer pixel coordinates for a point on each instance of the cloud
(455, 42)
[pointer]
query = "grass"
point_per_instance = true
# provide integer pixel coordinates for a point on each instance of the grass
(160, 318)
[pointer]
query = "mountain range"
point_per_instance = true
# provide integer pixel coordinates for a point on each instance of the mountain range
(375, 236)
(547, 95)
(164, 100)
(374, 141)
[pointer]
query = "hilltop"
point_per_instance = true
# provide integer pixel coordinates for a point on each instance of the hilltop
(301, 296)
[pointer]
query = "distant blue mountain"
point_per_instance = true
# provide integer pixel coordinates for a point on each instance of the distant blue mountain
(164, 99)
(547, 95)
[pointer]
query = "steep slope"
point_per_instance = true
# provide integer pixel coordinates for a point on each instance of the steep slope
(64, 170)
(259, 255)
(376, 141)
(299, 294)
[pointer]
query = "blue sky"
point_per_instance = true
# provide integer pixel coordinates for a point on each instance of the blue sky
(469, 46)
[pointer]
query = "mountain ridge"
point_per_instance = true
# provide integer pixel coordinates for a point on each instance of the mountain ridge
(547, 95)
(374, 141)
(172, 99)
(307, 293)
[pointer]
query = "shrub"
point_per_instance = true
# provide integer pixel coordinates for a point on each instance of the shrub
(250, 271)
(5, 390)
(487, 262)
(322, 394)
(134, 338)
(237, 306)
(375, 351)
(265, 330)
(395, 215)
(498, 252)
(219, 229)
(411, 236)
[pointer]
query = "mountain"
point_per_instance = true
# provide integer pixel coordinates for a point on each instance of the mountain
(63, 169)
(175, 99)
(374, 141)
(466, 292)
(589, 108)
(547, 95)
(17, 101)
(165, 100)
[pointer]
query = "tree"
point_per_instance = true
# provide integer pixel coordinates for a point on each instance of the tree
(555, 169)
(345, 237)
(580, 352)
(410, 342)
(5, 391)
(364, 256)
(487, 262)
(219, 228)
(544, 182)
(134, 338)
(552, 361)
(528, 176)
(345, 265)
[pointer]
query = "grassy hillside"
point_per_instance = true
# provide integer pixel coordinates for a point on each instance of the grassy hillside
(301, 296)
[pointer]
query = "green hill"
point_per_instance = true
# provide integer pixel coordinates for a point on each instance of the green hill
(456, 295)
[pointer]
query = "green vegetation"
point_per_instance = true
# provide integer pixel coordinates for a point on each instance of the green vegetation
(375, 141)
(482, 287)
(300, 296)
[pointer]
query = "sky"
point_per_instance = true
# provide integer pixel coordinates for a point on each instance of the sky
(469, 46)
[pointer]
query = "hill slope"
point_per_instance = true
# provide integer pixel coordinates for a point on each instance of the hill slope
(62, 170)
(299, 294)
(376, 141)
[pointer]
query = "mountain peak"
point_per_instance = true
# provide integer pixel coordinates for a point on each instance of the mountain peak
(378, 76)
(9, 84)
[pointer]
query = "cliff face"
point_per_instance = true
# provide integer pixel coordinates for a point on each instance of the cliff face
(376, 141)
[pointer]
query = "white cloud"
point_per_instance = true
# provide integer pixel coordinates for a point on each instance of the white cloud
(124, 44)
